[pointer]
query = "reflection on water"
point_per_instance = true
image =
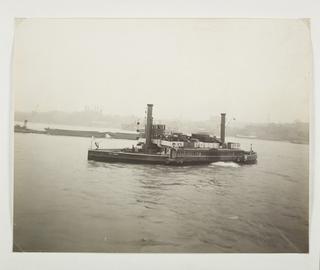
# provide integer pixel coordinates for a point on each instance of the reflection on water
(63, 202)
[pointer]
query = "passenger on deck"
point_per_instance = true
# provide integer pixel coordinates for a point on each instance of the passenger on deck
(97, 145)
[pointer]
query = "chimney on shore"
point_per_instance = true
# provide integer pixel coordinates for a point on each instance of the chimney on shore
(223, 128)
(148, 130)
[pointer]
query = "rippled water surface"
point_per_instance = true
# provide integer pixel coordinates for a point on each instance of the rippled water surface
(63, 202)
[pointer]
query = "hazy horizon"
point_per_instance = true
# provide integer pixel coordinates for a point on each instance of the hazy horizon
(255, 70)
(230, 119)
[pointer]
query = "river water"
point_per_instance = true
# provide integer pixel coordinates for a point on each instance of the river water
(63, 202)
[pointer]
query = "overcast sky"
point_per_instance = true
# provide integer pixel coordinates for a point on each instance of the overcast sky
(254, 70)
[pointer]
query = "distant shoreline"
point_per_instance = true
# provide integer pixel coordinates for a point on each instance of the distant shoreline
(247, 137)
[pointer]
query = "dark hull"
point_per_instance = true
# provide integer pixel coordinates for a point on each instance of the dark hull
(115, 155)
(123, 136)
(96, 134)
(27, 130)
(79, 133)
(118, 156)
(75, 133)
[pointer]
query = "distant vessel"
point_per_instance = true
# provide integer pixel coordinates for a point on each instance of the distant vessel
(96, 134)
(156, 146)
(123, 135)
(75, 133)
(25, 129)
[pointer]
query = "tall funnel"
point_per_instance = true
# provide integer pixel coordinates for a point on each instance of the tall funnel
(223, 128)
(149, 127)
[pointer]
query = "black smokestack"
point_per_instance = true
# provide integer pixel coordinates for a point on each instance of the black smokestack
(223, 128)
(149, 127)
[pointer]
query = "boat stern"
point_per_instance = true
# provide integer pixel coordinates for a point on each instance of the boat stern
(249, 158)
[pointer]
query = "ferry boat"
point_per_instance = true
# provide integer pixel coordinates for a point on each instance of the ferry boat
(156, 146)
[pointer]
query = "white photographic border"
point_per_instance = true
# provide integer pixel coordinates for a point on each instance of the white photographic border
(11, 9)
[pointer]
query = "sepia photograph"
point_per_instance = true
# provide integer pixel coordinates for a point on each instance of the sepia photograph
(139, 135)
